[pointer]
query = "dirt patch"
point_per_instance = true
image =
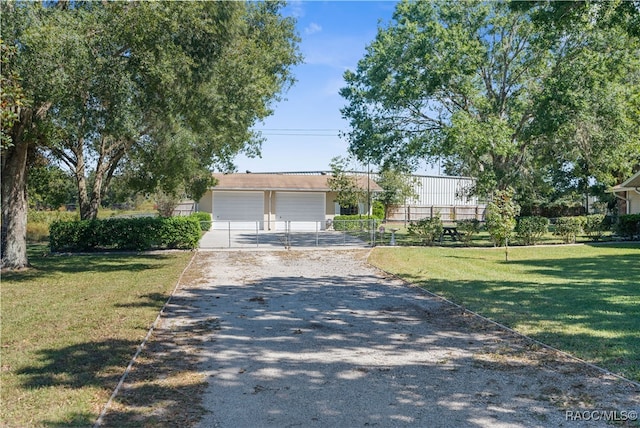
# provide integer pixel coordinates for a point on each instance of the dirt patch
(321, 338)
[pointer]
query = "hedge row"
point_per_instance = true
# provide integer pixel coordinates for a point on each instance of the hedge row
(204, 219)
(355, 222)
(137, 234)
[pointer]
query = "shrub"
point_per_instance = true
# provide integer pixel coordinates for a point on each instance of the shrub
(179, 232)
(138, 234)
(427, 229)
(355, 222)
(204, 219)
(467, 228)
(377, 210)
(529, 230)
(501, 216)
(568, 228)
(595, 226)
(628, 226)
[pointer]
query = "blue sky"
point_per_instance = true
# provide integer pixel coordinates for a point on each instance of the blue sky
(334, 37)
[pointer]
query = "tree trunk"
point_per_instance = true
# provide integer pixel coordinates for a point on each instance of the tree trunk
(14, 206)
(84, 202)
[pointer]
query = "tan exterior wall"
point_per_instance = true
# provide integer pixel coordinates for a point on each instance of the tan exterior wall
(330, 209)
(205, 204)
(634, 202)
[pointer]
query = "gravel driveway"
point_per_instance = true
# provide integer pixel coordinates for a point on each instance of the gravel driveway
(320, 338)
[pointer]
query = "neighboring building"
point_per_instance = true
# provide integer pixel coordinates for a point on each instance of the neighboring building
(273, 201)
(628, 193)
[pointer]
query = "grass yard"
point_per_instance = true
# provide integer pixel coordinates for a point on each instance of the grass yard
(70, 325)
(583, 299)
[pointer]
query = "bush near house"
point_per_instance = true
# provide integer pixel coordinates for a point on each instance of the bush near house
(530, 230)
(628, 226)
(355, 222)
(203, 219)
(427, 229)
(125, 234)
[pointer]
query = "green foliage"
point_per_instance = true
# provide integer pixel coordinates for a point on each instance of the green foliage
(161, 91)
(496, 96)
(501, 217)
(203, 219)
(595, 225)
(428, 230)
(568, 228)
(348, 191)
(11, 94)
(179, 232)
(530, 230)
(397, 188)
(355, 222)
(467, 228)
(628, 226)
(49, 187)
(378, 209)
(125, 234)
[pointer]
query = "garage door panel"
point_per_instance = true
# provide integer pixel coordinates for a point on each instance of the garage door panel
(304, 211)
(238, 210)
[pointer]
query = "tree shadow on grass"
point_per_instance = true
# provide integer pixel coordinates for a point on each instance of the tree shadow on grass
(151, 300)
(162, 382)
(79, 365)
(243, 326)
(83, 263)
(588, 307)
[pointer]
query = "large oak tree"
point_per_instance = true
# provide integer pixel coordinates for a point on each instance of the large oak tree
(496, 95)
(106, 83)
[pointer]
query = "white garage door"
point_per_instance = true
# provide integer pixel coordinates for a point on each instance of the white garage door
(238, 210)
(304, 210)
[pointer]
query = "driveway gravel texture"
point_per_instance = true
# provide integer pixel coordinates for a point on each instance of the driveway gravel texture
(319, 338)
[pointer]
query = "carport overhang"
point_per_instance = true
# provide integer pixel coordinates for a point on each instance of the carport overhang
(622, 190)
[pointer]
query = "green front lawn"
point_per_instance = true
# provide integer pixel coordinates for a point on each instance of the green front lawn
(583, 299)
(70, 326)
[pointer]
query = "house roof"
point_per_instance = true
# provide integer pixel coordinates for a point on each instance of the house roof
(632, 183)
(283, 182)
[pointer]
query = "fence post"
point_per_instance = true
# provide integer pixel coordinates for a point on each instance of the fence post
(344, 233)
(257, 236)
(317, 236)
(229, 230)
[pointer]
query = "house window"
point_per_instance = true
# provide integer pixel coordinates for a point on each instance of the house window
(352, 210)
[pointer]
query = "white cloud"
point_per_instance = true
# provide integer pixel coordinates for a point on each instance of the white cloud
(297, 9)
(312, 29)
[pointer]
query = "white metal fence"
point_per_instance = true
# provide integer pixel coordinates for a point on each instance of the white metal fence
(238, 234)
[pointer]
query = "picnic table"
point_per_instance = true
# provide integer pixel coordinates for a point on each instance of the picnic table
(451, 231)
